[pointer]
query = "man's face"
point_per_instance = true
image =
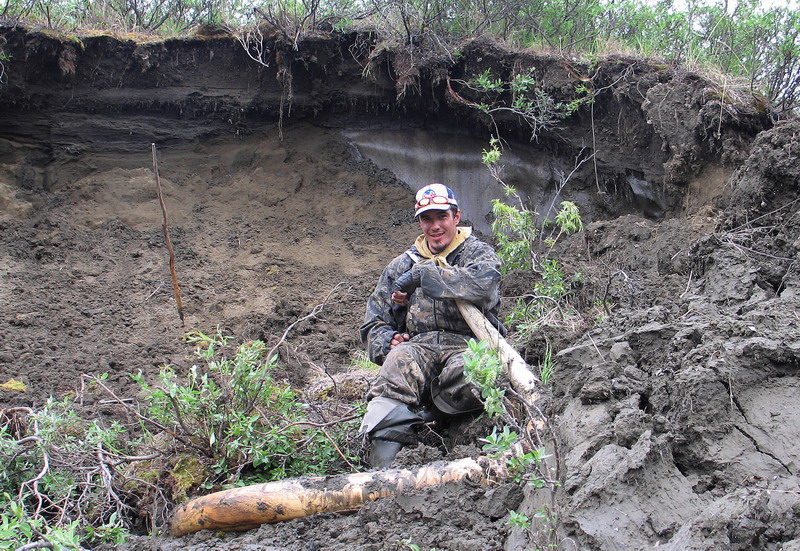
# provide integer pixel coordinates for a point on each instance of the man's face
(439, 228)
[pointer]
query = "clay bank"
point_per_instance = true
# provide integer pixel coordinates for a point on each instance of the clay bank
(673, 408)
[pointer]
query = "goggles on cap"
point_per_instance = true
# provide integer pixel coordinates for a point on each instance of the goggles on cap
(435, 200)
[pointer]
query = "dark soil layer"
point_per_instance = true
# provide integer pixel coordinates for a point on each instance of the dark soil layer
(674, 401)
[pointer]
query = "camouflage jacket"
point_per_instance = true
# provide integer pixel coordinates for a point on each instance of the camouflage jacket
(473, 276)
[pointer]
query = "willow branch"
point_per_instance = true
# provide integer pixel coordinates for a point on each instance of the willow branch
(141, 417)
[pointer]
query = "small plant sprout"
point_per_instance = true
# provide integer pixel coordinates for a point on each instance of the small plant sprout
(361, 360)
(485, 82)
(496, 444)
(482, 367)
(518, 464)
(569, 218)
(518, 520)
(545, 516)
(406, 543)
(547, 367)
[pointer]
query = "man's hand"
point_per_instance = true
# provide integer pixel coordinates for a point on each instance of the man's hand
(398, 338)
(405, 283)
(399, 298)
(403, 287)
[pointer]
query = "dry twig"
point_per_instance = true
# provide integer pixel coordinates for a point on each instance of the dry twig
(175, 287)
(314, 312)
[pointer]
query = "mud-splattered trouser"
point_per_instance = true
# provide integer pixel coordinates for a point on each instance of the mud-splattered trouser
(428, 369)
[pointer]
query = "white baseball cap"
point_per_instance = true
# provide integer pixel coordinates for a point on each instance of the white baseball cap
(434, 197)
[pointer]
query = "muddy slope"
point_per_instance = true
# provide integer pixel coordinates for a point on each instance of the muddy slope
(675, 415)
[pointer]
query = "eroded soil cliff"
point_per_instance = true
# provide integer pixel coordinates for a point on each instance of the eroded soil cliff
(673, 404)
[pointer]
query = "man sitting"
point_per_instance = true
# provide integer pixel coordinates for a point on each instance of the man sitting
(415, 331)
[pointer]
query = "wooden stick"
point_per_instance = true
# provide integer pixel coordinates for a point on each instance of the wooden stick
(519, 374)
(249, 506)
(175, 287)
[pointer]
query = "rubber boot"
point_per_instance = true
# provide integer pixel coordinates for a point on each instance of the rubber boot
(382, 453)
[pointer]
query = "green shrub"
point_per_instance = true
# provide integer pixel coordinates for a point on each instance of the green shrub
(515, 232)
(519, 248)
(57, 467)
(249, 426)
(69, 482)
(521, 97)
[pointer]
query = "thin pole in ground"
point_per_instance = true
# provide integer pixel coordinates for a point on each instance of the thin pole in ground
(166, 238)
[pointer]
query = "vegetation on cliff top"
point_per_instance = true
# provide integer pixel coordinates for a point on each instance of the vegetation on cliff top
(747, 40)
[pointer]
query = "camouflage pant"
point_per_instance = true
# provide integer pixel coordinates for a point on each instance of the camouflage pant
(428, 369)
